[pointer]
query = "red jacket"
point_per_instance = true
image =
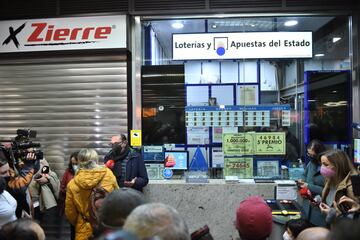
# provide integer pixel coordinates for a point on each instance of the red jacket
(65, 180)
(62, 196)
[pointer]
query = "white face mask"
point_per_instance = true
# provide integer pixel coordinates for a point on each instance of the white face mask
(75, 168)
(286, 236)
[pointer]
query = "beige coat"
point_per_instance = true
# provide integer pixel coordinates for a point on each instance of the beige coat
(46, 194)
(344, 188)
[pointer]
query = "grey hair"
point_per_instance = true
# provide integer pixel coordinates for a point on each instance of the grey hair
(157, 221)
(88, 158)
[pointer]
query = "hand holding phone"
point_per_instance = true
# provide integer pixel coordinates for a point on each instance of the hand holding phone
(349, 204)
(344, 208)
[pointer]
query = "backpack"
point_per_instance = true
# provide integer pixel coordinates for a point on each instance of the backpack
(96, 198)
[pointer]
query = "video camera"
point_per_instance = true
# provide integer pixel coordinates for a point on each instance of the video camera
(22, 145)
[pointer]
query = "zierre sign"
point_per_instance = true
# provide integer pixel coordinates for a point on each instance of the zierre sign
(242, 45)
(44, 32)
(63, 34)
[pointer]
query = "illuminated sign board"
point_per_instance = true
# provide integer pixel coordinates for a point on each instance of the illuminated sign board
(242, 45)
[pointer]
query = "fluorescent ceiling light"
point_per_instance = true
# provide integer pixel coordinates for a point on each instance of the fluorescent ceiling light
(331, 104)
(213, 26)
(335, 39)
(319, 55)
(290, 23)
(177, 25)
(334, 91)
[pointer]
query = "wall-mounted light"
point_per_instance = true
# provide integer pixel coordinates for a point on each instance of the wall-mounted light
(177, 25)
(291, 23)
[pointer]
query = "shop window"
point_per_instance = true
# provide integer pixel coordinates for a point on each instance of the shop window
(163, 103)
(327, 103)
(264, 99)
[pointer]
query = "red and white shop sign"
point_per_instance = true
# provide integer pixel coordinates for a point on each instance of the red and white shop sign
(56, 34)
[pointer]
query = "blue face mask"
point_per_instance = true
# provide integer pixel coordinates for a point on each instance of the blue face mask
(75, 167)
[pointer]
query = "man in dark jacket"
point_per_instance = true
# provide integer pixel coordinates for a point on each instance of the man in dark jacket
(18, 179)
(126, 164)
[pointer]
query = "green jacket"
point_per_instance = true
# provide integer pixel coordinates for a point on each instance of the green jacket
(316, 184)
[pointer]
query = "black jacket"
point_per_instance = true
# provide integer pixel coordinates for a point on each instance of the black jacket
(135, 167)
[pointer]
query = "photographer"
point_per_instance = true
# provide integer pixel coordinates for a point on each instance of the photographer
(44, 189)
(18, 163)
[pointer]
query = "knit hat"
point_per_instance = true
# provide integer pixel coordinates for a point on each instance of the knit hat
(254, 219)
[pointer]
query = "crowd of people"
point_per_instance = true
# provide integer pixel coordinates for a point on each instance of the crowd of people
(105, 201)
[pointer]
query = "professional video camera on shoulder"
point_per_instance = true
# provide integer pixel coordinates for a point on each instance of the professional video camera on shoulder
(22, 146)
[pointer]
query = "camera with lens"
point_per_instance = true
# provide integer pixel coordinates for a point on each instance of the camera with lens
(22, 146)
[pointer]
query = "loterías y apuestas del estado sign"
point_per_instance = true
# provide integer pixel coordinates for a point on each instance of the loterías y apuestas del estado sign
(244, 45)
(55, 34)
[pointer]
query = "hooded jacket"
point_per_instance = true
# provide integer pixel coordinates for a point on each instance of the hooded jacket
(77, 197)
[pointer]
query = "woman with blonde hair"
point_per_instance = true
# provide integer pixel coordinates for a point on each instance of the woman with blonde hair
(89, 176)
(336, 168)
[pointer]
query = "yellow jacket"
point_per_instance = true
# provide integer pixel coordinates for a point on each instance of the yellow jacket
(77, 197)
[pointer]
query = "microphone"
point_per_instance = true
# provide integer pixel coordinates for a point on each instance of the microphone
(305, 193)
(317, 199)
(110, 164)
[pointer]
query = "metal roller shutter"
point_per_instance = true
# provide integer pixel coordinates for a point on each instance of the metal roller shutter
(71, 105)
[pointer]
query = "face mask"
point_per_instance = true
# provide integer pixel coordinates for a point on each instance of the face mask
(286, 236)
(75, 168)
(116, 149)
(327, 172)
(120, 148)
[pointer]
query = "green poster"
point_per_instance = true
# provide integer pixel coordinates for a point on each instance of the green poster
(270, 143)
(238, 166)
(238, 143)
